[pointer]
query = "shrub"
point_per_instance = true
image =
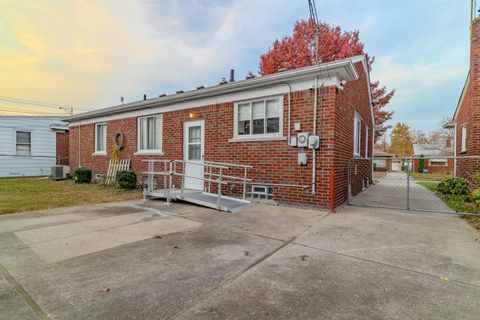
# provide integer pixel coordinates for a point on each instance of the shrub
(126, 179)
(83, 175)
(475, 196)
(421, 164)
(476, 180)
(457, 186)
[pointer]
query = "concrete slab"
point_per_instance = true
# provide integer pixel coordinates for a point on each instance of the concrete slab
(267, 262)
(276, 222)
(446, 247)
(80, 244)
(304, 283)
(149, 279)
(77, 228)
(17, 307)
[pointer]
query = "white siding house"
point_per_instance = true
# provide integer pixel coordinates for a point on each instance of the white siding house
(28, 145)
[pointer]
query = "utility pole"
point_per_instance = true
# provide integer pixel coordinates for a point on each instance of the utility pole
(67, 110)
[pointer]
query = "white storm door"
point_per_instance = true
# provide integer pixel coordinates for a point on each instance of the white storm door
(194, 133)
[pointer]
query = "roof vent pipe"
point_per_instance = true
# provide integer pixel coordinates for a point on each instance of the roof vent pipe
(232, 75)
(144, 97)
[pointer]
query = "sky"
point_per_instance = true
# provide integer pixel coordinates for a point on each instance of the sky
(88, 54)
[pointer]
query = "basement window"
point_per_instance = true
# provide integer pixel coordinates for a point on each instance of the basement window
(258, 118)
(24, 143)
(260, 192)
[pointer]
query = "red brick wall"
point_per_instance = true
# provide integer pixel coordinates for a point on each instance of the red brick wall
(469, 113)
(62, 148)
(273, 161)
(354, 97)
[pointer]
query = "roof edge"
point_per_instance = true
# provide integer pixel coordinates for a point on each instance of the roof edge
(347, 64)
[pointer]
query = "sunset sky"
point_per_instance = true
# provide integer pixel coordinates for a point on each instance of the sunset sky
(88, 54)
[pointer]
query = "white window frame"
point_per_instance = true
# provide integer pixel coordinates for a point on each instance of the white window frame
(24, 144)
(97, 151)
(464, 138)
(357, 135)
(367, 129)
(159, 151)
(258, 137)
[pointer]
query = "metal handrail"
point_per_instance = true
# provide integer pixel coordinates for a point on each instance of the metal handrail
(170, 170)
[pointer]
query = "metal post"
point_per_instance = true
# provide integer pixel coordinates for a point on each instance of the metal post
(165, 179)
(219, 188)
(210, 178)
(183, 176)
(150, 176)
(349, 186)
(245, 183)
(408, 184)
(170, 184)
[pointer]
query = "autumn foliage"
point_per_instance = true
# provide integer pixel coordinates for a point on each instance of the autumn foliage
(298, 51)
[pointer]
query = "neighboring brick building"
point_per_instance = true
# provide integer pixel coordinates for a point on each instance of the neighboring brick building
(466, 120)
(436, 159)
(62, 147)
(249, 122)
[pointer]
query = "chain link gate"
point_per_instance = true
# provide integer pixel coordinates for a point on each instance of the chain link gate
(412, 183)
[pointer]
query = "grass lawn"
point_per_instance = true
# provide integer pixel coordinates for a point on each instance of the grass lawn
(431, 176)
(457, 203)
(25, 194)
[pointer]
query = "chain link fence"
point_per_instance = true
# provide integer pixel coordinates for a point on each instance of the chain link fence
(421, 184)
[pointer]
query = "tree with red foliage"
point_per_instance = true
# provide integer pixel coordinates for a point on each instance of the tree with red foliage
(298, 51)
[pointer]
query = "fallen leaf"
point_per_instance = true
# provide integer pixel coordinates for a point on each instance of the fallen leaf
(247, 253)
(445, 278)
(176, 247)
(157, 236)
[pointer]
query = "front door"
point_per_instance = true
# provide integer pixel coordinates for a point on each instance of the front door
(194, 132)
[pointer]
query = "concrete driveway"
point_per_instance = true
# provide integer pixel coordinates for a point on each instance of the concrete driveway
(391, 191)
(125, 261)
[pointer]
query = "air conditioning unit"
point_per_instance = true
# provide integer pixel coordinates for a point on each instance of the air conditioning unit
(60, 172)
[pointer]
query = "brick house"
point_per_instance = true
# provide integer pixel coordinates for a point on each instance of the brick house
(382, 163)
(437, 159)
(466, 119)
(252, 122)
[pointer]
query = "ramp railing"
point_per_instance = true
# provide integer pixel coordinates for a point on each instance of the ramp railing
(213, 174)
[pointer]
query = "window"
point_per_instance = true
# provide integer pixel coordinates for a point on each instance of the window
(464, 138)
(24, 143)
(366, 142)
(100, 138)
(438, 162)
(380, 163)
(357, 130)
(259, 117)
(150, 133)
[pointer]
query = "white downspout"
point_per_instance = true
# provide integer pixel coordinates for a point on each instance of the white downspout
(289, 111)
(455, 151)
(79, 143)
(314, 155)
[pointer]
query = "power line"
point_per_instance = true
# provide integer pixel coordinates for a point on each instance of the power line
(38, 103)
(26, 112)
